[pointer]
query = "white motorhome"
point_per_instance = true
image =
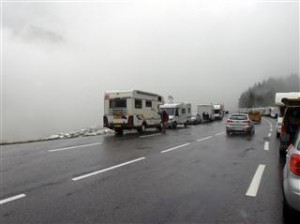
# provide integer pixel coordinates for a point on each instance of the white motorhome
(131, 109)
(218, 111)
(206, 111)
(179, 113)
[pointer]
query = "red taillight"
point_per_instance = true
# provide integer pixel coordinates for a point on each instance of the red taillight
(283, 130)
(229, 121)
(246, 122)
(295, 164)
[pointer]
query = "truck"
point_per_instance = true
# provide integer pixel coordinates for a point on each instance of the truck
(180, 113)
(218, 110)
(206, 111)
(131, 109)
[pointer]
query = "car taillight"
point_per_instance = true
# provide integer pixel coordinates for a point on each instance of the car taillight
(295, 164)
(246, 122)
(283, 130)
(229, 121)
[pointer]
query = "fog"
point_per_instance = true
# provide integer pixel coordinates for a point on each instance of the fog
(58, 57)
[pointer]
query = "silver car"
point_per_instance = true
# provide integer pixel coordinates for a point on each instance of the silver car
(196, 119)
(239, 123)
(291, 179)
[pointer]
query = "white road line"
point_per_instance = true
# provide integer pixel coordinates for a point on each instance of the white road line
(146, 136)
(253, 188)
(107, 169)
(180, 146)
(270, 134)
(74, 147)
(12, 199)
(268, 122)
(271, 129)
(266, 146)
(202, 139)
(221, 133)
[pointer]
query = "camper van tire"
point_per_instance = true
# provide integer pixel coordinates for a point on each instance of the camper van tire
(174, 126)
(142, 129)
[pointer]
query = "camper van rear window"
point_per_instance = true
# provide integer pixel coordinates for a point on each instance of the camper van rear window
(118, 103)
(138, 104)
(148, 103)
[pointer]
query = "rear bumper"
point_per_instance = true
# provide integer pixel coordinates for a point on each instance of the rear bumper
(242, 130)
(291, 189)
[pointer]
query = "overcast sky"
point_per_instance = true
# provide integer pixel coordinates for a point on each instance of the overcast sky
(58, 57)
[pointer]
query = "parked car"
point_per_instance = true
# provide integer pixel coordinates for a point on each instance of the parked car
(290, 123)
(291, 180)
(278, 126)
(239, 123)
(196, 119)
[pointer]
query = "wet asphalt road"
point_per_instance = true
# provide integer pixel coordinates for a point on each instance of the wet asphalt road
(189, 175)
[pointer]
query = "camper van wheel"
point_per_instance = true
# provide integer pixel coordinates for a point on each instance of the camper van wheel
(142, 129)
(174, 125)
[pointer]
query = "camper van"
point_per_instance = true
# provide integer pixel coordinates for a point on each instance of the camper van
(179, 113)
(218, 111)
(131, 109)
(206, 111)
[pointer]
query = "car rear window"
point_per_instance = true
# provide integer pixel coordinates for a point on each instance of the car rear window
(238, 117)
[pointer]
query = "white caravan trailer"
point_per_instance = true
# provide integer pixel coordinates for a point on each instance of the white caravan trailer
(206, 111)
(179, 113)
(131, 109)
(218, 111)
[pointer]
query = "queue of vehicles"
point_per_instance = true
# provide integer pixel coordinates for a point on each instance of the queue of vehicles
(135, 109)
(140, 110)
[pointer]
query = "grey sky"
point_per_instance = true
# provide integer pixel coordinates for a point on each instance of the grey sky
(59, 57)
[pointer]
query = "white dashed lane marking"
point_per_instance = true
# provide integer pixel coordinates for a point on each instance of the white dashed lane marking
(75, 147)
(253, 188)
(107, 169)
(177, 147)
(4, 201)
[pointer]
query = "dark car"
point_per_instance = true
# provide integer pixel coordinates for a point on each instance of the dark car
(196, 119)
(290, 123)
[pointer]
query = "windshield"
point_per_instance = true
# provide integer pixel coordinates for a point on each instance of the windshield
(170, 111)
(117, 103)
(238, 117)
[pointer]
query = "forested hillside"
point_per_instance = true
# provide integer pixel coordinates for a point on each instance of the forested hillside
(262, 94)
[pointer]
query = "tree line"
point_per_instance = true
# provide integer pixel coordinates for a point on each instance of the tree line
(262, 94)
